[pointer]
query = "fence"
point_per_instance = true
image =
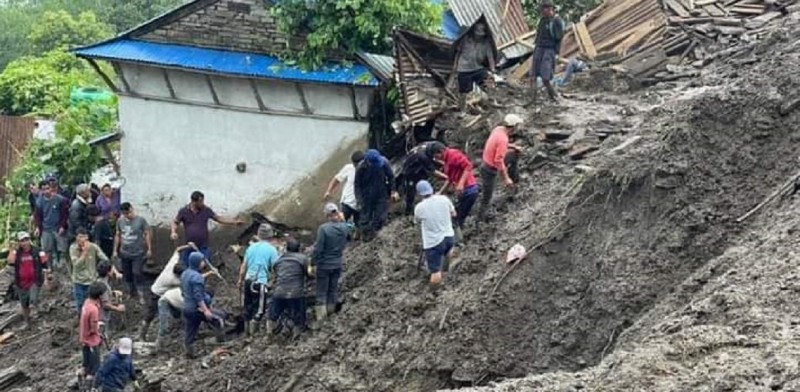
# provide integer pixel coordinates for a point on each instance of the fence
(15, 132)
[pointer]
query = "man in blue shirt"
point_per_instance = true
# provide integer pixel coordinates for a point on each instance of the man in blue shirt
(117, 368)
(196, 303)
(253, 277)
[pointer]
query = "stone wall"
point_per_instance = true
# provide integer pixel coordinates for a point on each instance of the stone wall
(242, 25)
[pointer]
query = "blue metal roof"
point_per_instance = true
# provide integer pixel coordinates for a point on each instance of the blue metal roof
(224, 62)
(450, 27)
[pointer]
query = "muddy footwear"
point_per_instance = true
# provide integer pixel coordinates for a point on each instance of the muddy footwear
(270, 331)
(255, 327)
(551, 92)
(188, 351)
(143, 327)
(248, 328)
(159, 344)
(330, 309)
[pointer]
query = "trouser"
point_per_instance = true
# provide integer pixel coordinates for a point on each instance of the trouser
(544, 62)
(512, 165)
(151, 307)
(192, 321)
(55, 246)
(374, 212)
(255, 300)
(410, 190)
(295, 308)
(350, 212)
(28, 297)
(465, 203)
(165, 313)
(132, 273)
(467, 80)
(80, 291)
(489, 179)
(327, 286)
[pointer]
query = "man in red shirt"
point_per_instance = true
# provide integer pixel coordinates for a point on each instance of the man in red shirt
(30, 271)
(89, 330)
(494, 160)
(458, 169)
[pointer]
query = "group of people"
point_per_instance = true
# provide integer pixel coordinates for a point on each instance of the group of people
(369, 185)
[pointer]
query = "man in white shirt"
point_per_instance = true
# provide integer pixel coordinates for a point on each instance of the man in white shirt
(347, 176)
(166, 280)
(435, 213)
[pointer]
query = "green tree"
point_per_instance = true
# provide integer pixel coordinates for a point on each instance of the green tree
(333, 26)
(58, 29)
(42, 84)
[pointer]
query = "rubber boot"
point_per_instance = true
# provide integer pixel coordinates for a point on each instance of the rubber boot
(270, 328)
(255, 326)
(248, 328)
(143, 327)
(330, 309)
(551, 91)
(459, 236)
(159, 344)
(189, 351)
(321, 312)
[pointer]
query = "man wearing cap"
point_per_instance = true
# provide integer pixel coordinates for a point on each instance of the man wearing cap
(435, 213)
(50, 218)
(30, 272)
(494, 160)
(328, 259)
(460, 177)
(117, 369)
(548, 44)
(254, 275)
(197, 309)
(347, 176)
(419, 165)
(374, 178)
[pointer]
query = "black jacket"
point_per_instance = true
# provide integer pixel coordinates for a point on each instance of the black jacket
(374, 177)
(78, 218)
(549, 33)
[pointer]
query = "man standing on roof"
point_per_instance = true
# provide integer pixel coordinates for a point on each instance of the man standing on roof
(476, 60)
(374, 178)
(434, 213)
(419, 165)
(460, 177)
(347, 176)
(548, 45)
(195, 217)
(494, 161)
(254, 276)
(30, 272)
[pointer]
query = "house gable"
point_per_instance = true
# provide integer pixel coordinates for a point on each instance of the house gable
(239, 25)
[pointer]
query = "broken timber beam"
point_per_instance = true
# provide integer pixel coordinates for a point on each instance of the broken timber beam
(786, 185)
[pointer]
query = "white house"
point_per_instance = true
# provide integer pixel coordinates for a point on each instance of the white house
(204, 105)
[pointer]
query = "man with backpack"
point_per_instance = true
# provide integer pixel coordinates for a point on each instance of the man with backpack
(548, 44)
(30, 272)
(253, 277)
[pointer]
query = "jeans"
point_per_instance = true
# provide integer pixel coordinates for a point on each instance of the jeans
(255, 300)
(132, 272)
(165, 313)
(295, 309)
(465, 203)
(489, 178)
(327, 286)
(80, 291)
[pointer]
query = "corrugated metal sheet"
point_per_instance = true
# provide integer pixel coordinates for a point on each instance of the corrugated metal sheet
(505, 29)
(224, 62)
(450, 27)
(380, 65)
(15, 133)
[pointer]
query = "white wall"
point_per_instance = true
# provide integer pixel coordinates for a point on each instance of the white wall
(170, 150)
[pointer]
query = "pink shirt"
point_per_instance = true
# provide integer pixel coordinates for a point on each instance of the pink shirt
(494, 152)
(90, 324)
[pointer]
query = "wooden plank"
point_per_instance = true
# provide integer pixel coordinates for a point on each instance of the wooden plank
(580, 151)
(702, 3)
(582, 34)
(103, 75)
(303, 100)
(210, 85)
(713, 11)
(6, 336)
(747, 11)
(677, 8)
(257, 95)
(165, 73)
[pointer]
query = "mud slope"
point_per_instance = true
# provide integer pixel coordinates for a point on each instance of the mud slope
(731, 325)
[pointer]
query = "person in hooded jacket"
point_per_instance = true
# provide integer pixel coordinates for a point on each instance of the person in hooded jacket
(374, 177)
(419, 165)
(197, 308)
(117, 370)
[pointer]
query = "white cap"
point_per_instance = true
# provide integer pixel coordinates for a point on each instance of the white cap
(516, 253)
(125, 346)
(512, 120)
(23, 235)
(331, 208)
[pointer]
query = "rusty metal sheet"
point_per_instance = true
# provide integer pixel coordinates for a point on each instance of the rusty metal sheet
(15, 133)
